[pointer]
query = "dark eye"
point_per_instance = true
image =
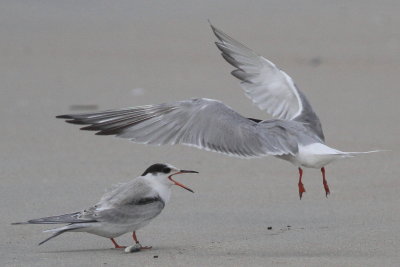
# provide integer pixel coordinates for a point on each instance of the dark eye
(166, 170)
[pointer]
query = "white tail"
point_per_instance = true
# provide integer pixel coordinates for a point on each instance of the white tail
(365, 152)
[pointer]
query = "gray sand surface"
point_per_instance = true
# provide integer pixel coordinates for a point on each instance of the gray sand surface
(58, 56)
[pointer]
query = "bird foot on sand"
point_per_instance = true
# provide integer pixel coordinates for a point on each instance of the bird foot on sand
(327, 191)
(301, 190)
(116, 244)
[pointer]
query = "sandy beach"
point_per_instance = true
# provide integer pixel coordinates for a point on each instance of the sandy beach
(62, 57)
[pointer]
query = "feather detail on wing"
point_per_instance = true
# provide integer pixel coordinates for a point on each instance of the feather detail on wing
(134, 201)
(270, 88)
(60, 219)
(202, 123)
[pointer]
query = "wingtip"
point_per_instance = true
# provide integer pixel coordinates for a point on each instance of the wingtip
(44, 241)
(19, 223)
(90, 128)
(107, 132)
(75, 121)
(65, 116)
(214, 29)
(70, 119)
(211, 25)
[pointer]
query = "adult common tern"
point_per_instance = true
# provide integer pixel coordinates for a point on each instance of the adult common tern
(126, 208)
(294, 135)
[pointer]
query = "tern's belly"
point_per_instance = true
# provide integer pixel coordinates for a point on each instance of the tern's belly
(315, 161)
(114, 230)
(315, 155)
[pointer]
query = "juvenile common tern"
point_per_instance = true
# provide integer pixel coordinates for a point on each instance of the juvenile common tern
(126, 208)
(294, 135)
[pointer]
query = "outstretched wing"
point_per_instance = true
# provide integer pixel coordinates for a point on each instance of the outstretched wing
(270, 88)
(203, 123)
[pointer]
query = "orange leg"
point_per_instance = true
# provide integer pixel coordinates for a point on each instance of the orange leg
(116, 244)
(137, 242)
(301, 186)
(326, 186)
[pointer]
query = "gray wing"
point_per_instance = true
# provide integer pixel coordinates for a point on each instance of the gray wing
(202, 123)
(270, 88)
(60, 219)
(134, 201)
(136, 212)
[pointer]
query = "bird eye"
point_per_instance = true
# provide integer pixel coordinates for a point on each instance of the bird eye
(166, 170)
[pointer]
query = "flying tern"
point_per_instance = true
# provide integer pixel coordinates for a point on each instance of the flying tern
(126, 208)
(295, 134)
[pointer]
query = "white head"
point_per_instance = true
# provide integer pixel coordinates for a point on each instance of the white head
(162, 173)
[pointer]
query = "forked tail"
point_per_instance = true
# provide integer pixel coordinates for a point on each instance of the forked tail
(72, 219)
(59, 231)
(352, 154)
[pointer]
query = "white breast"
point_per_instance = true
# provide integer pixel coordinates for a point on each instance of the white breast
(163, 190)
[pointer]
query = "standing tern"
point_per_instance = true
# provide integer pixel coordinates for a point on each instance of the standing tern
(294, 135)
(126, 208)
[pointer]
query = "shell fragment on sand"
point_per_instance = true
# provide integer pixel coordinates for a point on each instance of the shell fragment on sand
(133, 248)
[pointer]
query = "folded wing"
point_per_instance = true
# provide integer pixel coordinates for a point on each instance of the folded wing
(134, 202)
(60, 219)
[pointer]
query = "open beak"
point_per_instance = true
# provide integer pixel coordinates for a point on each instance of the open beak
(179, 184)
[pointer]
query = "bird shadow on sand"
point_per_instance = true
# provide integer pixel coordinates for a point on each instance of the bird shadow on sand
(180, 250)
(80, 250)
(102, 250)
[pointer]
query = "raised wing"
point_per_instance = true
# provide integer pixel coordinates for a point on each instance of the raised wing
(270, 88)
(203, 123)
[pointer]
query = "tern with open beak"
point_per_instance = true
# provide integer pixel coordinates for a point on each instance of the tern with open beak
(294, 135)
(126, 208)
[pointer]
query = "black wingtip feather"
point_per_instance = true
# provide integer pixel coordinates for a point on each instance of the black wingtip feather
(75, 121)
(71, 119)
(90, 128)
(19, 223)
(108, 132)
(211, 25)
(64, 116)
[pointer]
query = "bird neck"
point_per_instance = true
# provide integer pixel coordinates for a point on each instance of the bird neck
(163, 189)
